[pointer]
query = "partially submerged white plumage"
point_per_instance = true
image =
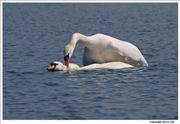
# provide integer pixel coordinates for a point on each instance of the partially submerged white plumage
(58, 66)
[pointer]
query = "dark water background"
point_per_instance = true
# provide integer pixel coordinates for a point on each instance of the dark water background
(35, 35)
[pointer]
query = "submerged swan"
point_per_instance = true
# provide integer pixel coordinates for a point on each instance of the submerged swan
(100, 48)
(58, 66)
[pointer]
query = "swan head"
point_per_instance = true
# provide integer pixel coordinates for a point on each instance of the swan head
(68, 51)
(56, 66)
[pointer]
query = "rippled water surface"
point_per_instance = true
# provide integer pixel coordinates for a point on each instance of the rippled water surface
(35, 35)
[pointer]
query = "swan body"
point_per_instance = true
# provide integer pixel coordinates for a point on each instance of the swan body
(58, 66)
(100, 48)
(109, 65)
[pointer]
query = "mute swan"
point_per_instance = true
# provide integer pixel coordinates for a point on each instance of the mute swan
(100, 48)
(58, 66)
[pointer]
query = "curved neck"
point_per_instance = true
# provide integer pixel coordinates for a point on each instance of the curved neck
(77, 37)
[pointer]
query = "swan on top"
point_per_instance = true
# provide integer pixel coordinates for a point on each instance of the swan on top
(58, 66)
(100, 48)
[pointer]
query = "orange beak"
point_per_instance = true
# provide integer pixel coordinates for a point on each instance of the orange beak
(51, 67)
(67, 62)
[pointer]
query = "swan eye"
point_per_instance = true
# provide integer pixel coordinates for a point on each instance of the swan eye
(53, 64)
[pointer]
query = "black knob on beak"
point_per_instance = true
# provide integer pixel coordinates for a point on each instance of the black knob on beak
(66, 57)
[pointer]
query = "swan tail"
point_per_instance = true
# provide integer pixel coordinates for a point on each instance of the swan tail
(144, 62)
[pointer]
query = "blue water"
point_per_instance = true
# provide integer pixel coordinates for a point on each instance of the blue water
(34, 35)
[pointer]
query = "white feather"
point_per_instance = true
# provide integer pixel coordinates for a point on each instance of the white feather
(74, 67)
(101, 48)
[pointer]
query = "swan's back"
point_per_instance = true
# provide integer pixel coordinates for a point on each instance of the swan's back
(109, 65)
(73, 67)
(111, 49)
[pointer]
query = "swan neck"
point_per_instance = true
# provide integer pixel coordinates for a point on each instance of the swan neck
(77, 37)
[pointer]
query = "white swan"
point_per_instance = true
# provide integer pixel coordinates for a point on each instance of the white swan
(58, 66)
(101, 48)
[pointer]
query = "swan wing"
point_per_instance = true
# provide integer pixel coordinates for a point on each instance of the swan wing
(130, 51)
(109, 65)
(123, 48)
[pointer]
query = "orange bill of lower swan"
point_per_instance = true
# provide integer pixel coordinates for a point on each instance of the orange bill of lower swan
(51, 67)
